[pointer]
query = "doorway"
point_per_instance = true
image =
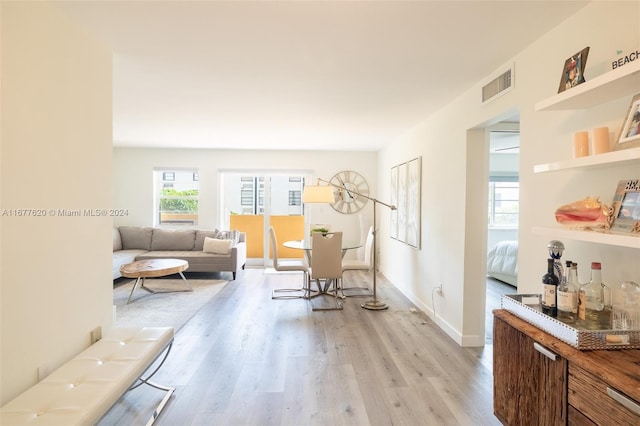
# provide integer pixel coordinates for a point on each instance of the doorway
(252, 200)
(503, 212)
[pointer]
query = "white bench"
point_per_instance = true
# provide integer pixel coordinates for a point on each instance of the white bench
(83, 390)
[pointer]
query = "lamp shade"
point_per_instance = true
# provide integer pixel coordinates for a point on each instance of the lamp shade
(318, 194)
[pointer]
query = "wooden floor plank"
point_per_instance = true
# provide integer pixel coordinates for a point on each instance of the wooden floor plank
(245, 359)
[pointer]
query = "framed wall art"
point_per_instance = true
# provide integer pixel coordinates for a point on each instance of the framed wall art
(573, 70)
(393, 226)
(402, 202)
(413, 202)
(405, 195)
(626, 207)
(630, 132)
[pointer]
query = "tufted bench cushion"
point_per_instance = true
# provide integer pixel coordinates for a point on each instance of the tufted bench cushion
(82, 390)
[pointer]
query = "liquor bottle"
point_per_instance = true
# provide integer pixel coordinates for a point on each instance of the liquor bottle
(568, 294)
(593, 315)
(556, 248)
(549, 290)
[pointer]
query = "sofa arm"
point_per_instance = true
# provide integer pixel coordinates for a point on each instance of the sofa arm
(239, 254)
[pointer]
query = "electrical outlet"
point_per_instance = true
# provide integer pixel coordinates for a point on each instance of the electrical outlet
(96, 334)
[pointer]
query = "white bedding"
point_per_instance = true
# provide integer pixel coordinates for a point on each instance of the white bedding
(502, 262)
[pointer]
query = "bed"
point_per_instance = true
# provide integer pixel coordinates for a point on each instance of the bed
(502, 262)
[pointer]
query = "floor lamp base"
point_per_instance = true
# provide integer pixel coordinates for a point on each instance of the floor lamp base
(374, 305)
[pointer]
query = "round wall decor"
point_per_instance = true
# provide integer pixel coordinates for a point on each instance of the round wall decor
(348, 187)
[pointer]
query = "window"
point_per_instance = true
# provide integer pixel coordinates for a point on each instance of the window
(295, 191)
(246, 194)
(295, 198)
(176, 197)
(504, 197)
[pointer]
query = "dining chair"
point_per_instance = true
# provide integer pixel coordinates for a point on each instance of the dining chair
(364, 264)
(289, 265)
(326, 264)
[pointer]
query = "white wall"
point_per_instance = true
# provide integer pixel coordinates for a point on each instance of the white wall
(133, 183)
(448, 151)
(55, 279)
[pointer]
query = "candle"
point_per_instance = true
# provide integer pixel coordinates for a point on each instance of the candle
(580, 144)
(601, 140)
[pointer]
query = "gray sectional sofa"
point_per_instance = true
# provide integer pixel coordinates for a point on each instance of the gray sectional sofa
(131, 243)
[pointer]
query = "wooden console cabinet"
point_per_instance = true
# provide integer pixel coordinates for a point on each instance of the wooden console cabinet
(540, 380)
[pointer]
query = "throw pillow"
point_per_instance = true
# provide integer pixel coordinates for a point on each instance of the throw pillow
(201, 235)
(233, 235)
(217, 246)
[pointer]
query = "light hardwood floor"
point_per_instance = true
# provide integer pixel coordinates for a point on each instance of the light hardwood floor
(495, 290)
(246, 359)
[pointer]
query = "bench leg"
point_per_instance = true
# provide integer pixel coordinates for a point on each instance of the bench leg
(160, 407)
(168, 390)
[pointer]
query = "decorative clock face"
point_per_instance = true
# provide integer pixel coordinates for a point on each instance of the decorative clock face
(351, 184)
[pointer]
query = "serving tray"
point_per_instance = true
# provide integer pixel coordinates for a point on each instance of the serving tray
(527, 307)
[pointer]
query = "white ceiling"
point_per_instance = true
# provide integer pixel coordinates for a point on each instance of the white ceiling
(334, 75)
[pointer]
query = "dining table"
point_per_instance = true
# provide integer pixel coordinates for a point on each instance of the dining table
(306, 246)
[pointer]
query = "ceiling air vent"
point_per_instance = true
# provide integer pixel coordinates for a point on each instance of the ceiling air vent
(498, 86)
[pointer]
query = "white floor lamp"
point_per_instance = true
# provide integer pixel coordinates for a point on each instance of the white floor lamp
(325, 194)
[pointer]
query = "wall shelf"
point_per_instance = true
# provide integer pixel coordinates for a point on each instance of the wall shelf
(622, 81)
(611, 85)
(621, 240)
(592, 161)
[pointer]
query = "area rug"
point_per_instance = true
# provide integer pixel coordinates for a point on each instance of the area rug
(162, 309)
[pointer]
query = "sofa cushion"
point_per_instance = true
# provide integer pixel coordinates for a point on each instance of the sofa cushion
(173, 239)
(217, 246)
(198, 260)
(201, 235)
(134, 237)
(117, 241)
(122, 257)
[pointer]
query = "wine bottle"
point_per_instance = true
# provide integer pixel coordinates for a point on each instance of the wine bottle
(550, 284)
(568, 294)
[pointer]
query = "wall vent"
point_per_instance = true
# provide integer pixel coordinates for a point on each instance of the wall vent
(498, 86)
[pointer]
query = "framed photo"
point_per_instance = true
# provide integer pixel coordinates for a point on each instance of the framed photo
(573, 71)
(626, 207)
(630, 133)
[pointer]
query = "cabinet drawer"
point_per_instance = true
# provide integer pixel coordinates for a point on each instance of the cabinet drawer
(588, 394)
